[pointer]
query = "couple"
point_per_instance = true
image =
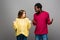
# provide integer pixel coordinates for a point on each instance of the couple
(41, 19)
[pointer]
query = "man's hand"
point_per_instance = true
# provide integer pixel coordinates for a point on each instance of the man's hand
(50, 22)
(34, 22)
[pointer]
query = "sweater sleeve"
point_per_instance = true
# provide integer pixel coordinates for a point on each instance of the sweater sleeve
(48, 19)
(29, 24)
(15, 25)
(34, 20)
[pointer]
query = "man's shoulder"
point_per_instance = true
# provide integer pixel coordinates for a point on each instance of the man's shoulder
(46, 12)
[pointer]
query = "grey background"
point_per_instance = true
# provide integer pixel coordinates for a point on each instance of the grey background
(10, 8)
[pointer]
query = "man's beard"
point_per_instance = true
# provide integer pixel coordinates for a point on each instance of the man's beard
(38, 12)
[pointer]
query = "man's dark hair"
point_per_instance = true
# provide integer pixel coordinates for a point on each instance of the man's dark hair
(38, 5)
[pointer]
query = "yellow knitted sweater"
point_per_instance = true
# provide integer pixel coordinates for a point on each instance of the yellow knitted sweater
(22, 26)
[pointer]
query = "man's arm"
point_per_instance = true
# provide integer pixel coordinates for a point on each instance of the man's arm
(49, 21)
(34, 22)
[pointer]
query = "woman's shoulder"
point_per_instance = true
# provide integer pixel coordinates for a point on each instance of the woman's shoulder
(16, 19)
(28, 19)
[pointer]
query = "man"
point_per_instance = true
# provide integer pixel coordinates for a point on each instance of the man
(41, 19)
